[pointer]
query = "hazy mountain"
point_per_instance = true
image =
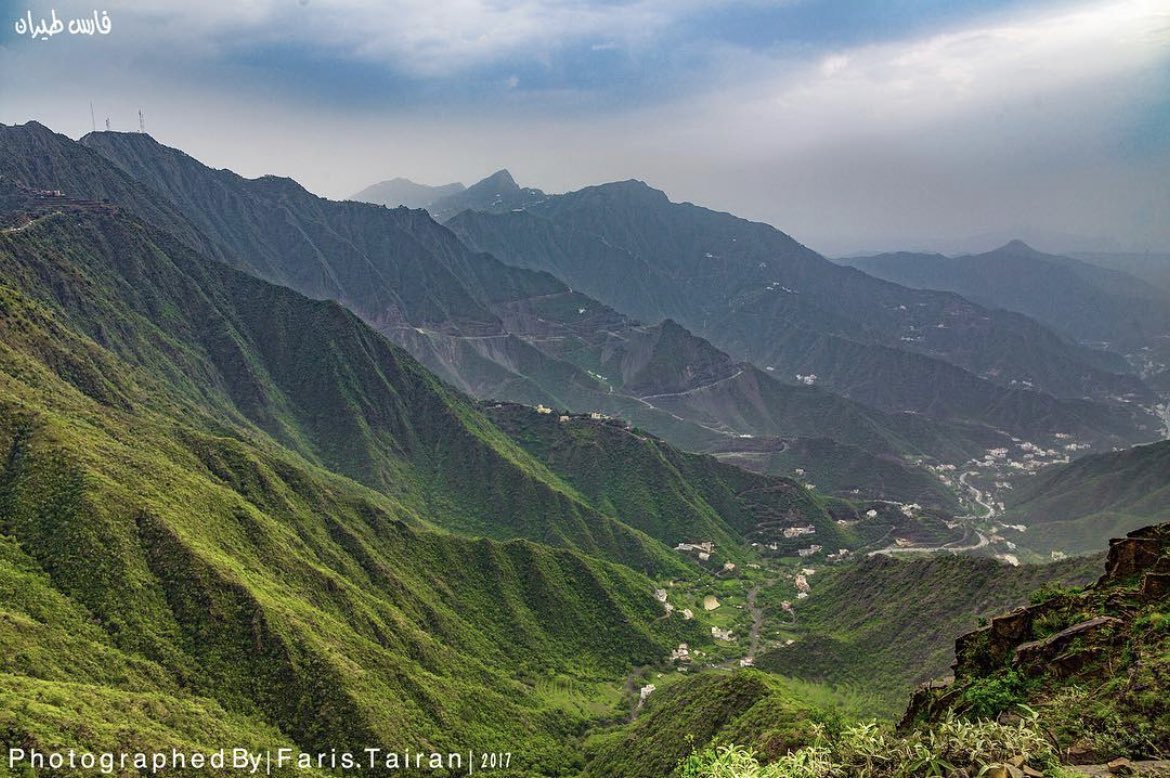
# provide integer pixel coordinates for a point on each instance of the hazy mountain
(1083, 302)
(512, 334)
(492, 330)
(758, 295)
(1152, 267)
(842, 469)
(404, 192)
(497, 192)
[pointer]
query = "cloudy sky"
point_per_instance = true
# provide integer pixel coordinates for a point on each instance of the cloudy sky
(854, 125)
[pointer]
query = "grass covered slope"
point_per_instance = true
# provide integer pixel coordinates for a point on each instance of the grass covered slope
(667, 493)
(308, 374)
(746, 706)
(232, 491)
(884, 625)
(1078, 507)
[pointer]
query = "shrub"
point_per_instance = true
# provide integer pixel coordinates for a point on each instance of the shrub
(951, 747)
(987, 697)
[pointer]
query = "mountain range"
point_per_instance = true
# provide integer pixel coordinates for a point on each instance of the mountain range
(404, 192)
(489, 329)
(1086, 303)
(497, 331)
(284, 471)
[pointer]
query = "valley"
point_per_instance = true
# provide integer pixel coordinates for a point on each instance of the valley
(359, 481)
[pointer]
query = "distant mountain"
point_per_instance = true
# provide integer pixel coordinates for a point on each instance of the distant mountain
(1084, 302)
(1151, 267)
(497, 192)
(843, 470)
(760, 296)
(1079, 506)
(404, 192)
(507, 333)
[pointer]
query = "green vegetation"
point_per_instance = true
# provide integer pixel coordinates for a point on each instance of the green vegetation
(952, 747)
(1090, 664)
(746, 706)
(1078, 507)
(668, 494)
(885, 625)
(224, 513)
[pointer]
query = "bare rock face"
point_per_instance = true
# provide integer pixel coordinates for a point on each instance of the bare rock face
(1056, 653)
(1137, 552)
(1155, 584)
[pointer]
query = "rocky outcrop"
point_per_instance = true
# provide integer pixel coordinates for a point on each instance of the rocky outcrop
(1058, 654)
(1066, 635)
(1138, 552)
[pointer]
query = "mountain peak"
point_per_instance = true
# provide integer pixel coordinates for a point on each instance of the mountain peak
(633, 188)
(1016, 246)
(500, 181)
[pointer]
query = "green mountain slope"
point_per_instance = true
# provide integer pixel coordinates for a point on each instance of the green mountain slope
(884, 625)
(765, 711)
(659, 489)
(1079, 506)
(258, 351)
(167, 425)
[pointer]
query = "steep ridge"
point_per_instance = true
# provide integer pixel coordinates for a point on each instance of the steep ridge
(497, 192)
(652, 485)
(491, 330)
(1091, 663)
(258, 352)
(761, 296)
(164, 423)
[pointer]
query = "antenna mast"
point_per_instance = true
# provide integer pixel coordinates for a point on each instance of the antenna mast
(141, 122)
(107, 124)
(92, 119)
